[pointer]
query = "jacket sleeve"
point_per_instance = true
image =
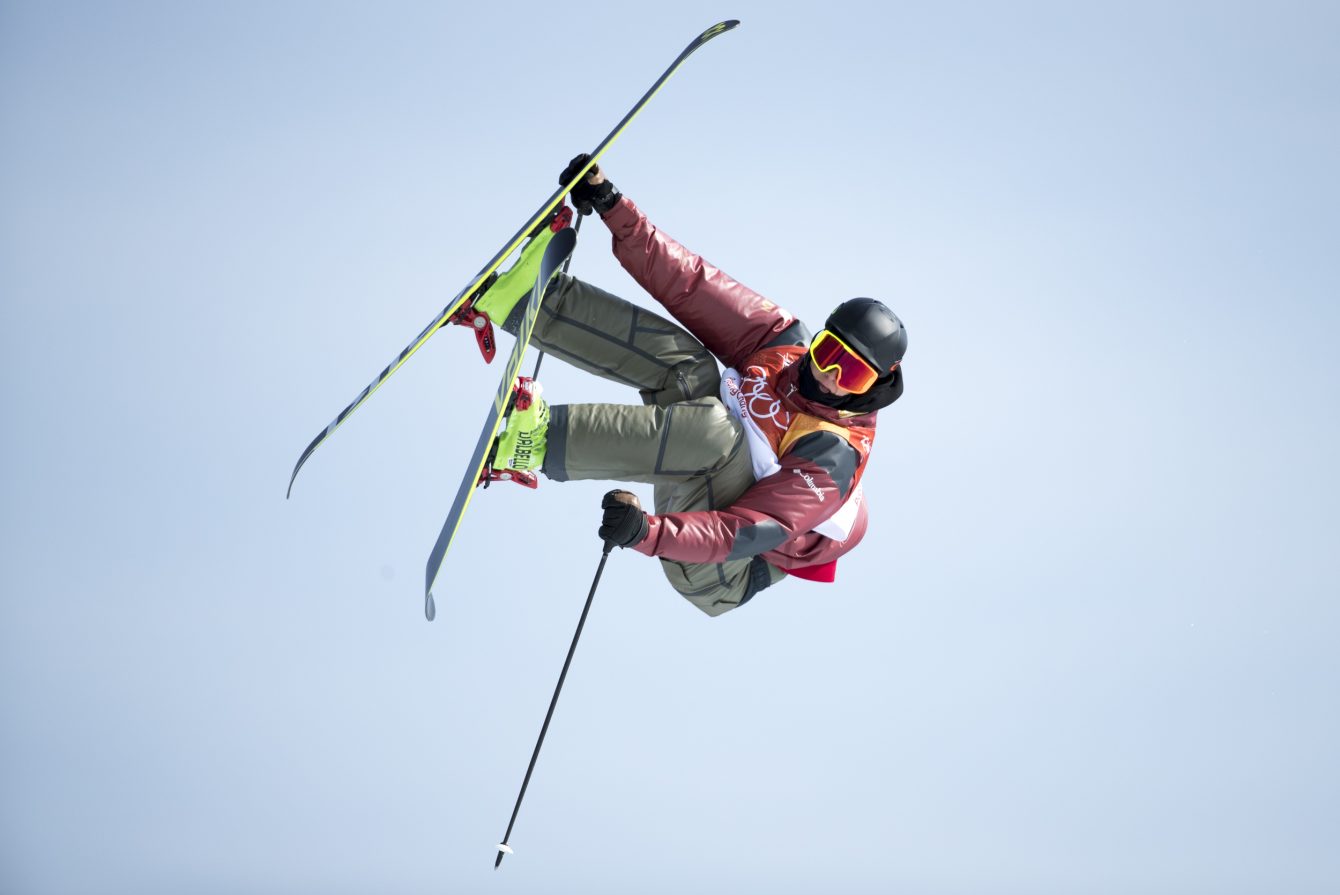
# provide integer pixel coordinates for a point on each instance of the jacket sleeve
(815, 478)
(729, 318)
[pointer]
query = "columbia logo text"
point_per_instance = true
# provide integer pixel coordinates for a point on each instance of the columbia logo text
(809, 481)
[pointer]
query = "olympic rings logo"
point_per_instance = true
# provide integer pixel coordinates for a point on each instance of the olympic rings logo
(762, 404)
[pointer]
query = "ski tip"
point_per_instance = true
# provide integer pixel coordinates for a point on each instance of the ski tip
(719, 28)
(429, 608)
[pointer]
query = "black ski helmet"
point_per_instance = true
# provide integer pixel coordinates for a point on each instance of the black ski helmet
(871, 329)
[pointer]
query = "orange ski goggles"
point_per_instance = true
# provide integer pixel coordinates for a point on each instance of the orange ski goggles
(854, 373)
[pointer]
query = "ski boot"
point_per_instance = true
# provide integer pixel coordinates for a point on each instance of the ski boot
(518, 453)
(499, 293)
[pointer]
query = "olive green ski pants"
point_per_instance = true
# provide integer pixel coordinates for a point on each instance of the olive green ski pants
(682, 440)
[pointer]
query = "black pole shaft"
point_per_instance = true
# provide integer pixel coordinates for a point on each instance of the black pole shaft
(604, 555)
(539, 358)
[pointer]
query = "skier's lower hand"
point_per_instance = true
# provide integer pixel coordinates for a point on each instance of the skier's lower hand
(624, 523)
(594, 192)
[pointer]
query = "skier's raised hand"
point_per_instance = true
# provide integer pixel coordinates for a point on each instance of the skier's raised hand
(594, 192)
(624, 523)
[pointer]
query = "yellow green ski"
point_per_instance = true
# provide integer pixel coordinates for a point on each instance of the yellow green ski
(517, 238)
(558, 251)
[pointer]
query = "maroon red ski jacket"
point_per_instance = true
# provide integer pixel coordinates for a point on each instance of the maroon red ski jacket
(808, 457)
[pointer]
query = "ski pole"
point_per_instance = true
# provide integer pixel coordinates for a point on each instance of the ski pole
(503, 847)
(539, 358)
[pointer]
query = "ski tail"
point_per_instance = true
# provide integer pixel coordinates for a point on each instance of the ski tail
(371, 387)
(550, 204)
(555, 254)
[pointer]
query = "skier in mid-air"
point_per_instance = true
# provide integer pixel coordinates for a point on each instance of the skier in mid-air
(757, 471)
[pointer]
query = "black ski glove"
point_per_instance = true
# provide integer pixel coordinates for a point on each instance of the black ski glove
(624, 523)
(600, 198)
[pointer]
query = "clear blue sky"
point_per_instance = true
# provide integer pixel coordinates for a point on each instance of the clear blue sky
(1088, 646)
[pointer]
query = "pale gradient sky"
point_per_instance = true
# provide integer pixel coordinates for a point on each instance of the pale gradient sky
(1088, 646)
